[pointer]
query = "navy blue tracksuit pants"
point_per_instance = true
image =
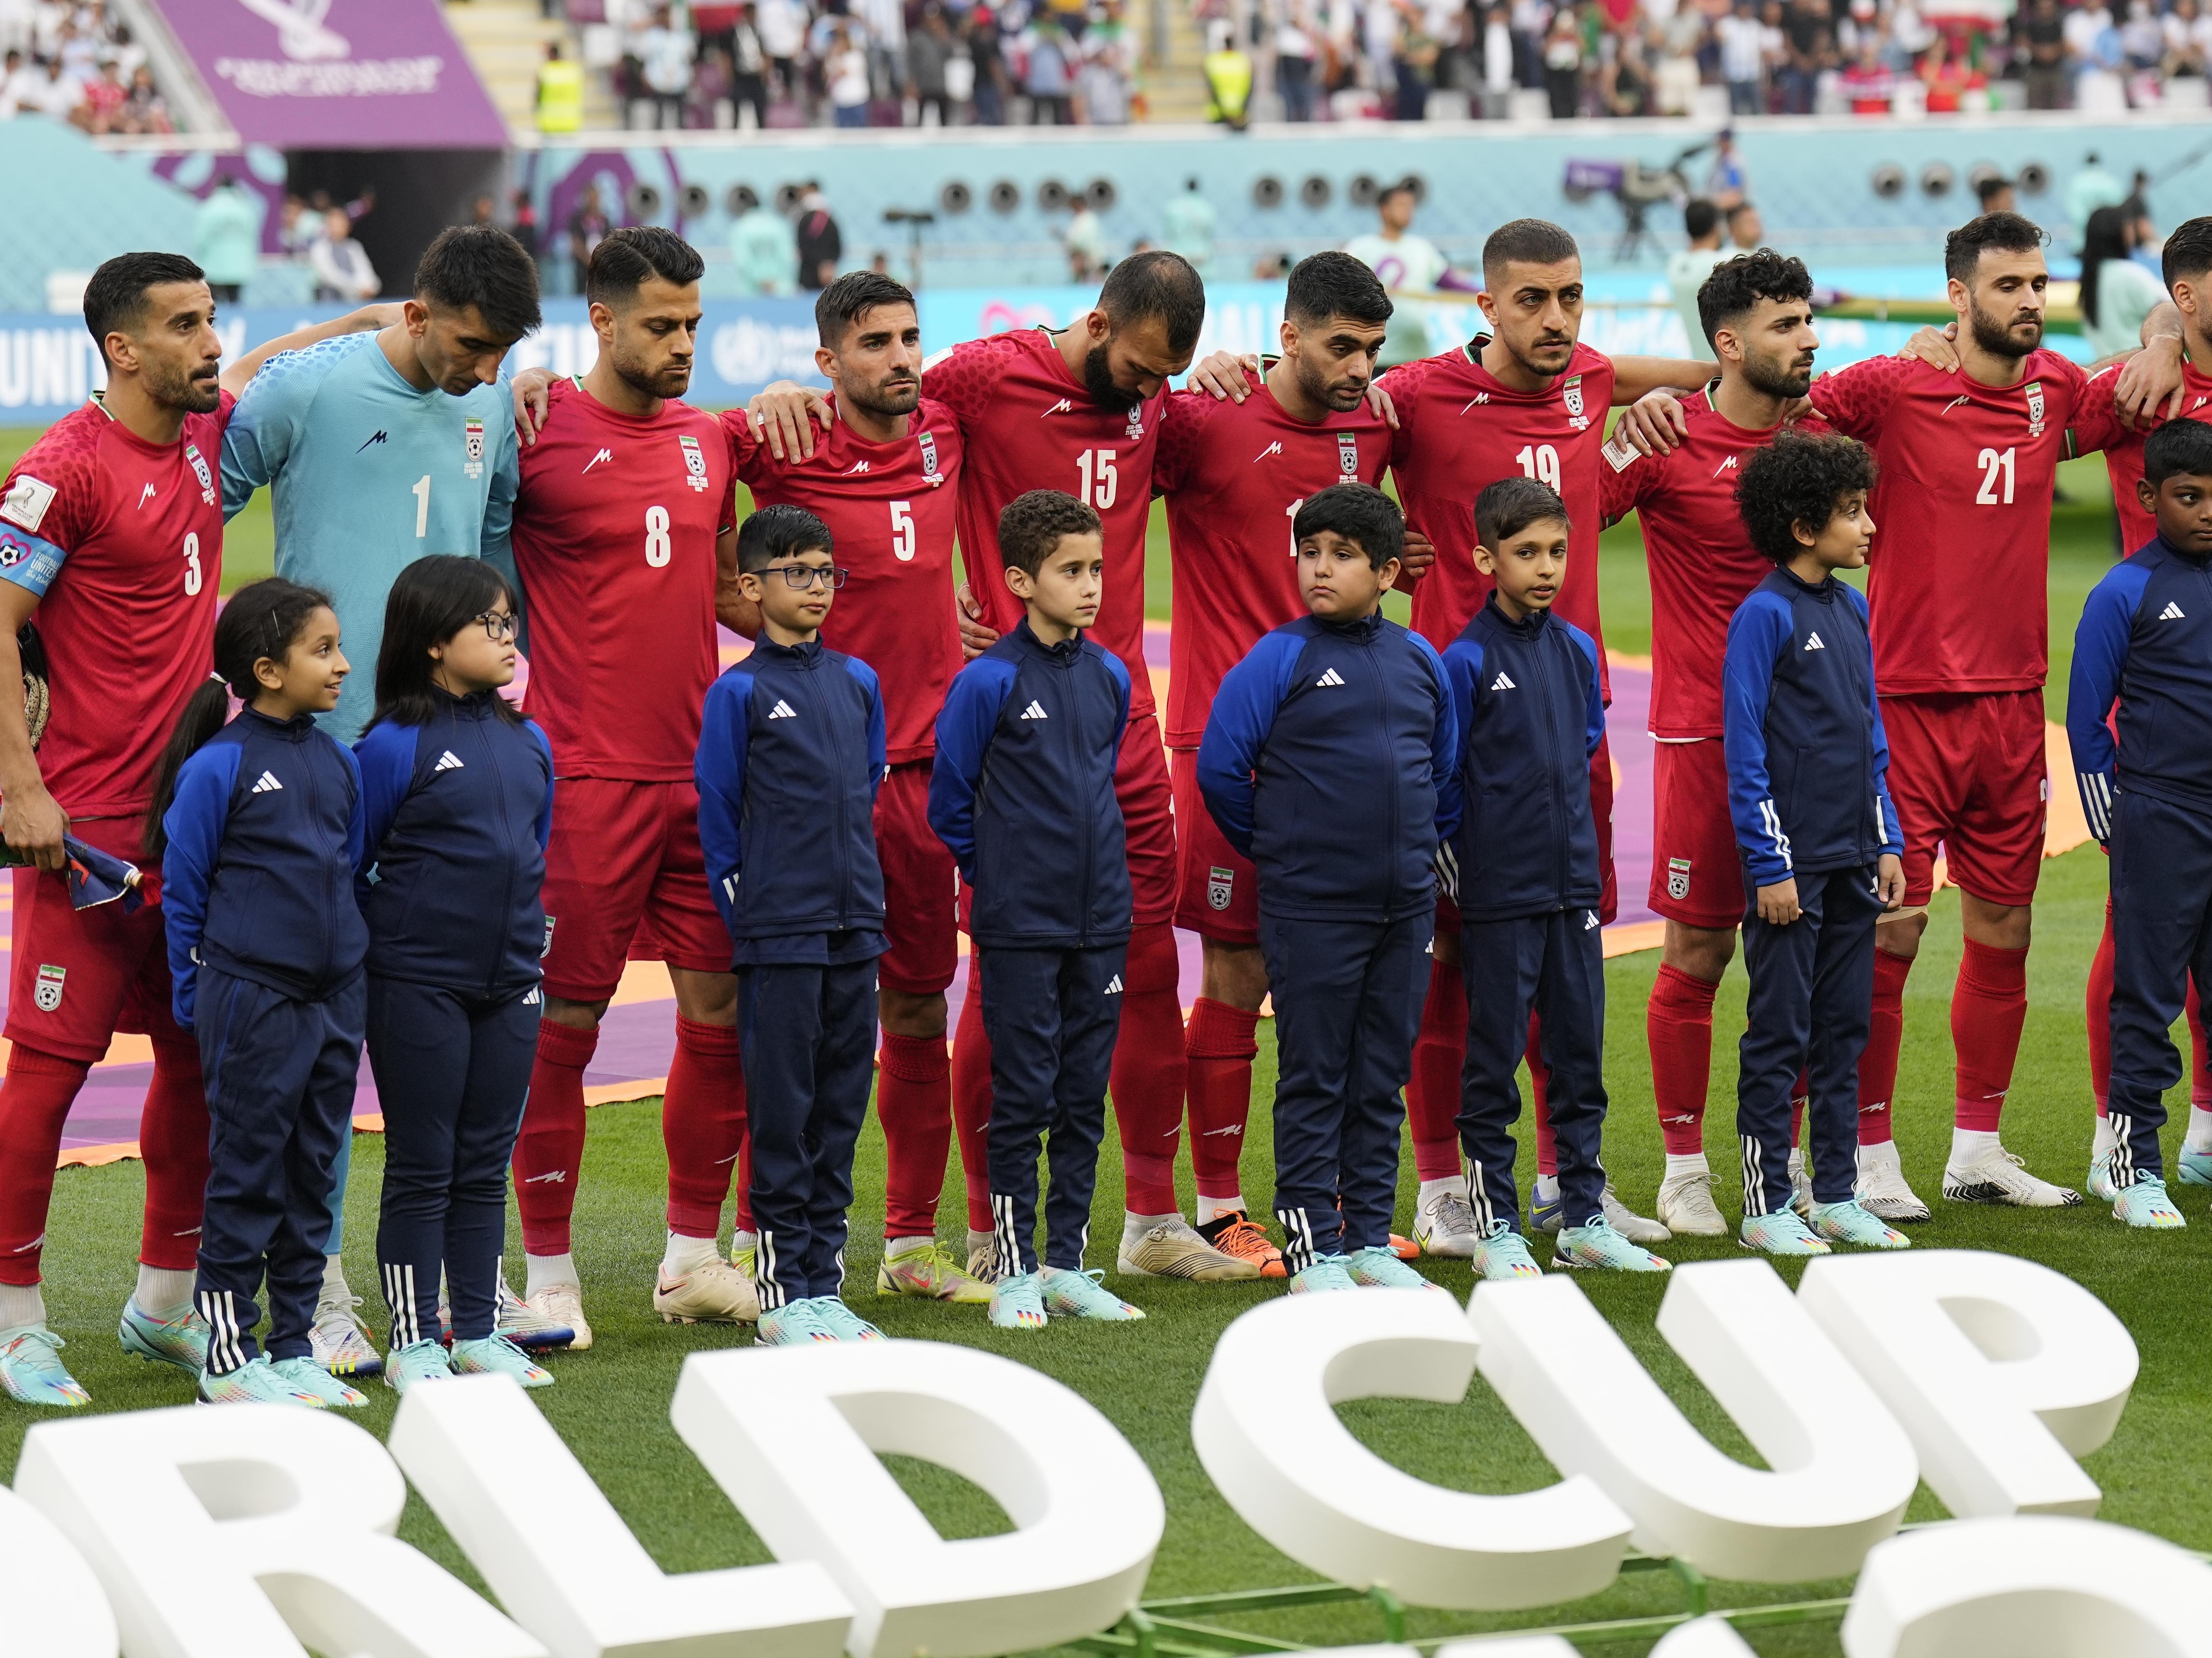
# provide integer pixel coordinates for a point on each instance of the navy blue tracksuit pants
(1052, 1017)
(1554, 962)
(809, 1037)
(280, 1075)
(1348, 998)
(452, 1071)
(2161, 936)
(1811, 1001)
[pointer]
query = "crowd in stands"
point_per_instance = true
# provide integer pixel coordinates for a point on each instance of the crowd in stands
(75, 61)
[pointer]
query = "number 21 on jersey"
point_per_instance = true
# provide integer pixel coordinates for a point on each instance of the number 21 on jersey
(1995, 463)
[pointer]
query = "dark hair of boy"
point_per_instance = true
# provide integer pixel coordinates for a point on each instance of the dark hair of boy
(626, 259)
(1334, 284)
(775, 532)
(1738, 284)
(2187, 254)
(481, 265)
(1402, 187)
(1526, 241)
(263, 619)
(1361, 513)
(1802, 477)
(1033, 525)
(115, 299)
(432, 600)
(2002, 232)
(839, 307)
(1988, 190)
(2178, 448)
(1510, 506)
(1157, 284)
(1700, 219)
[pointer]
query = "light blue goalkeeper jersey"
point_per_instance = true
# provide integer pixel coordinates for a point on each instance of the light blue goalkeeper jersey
(369, 475)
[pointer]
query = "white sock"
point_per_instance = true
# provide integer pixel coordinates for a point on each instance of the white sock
(685, 1255)
(742, 1240)
(2199, 1136)
(334, 1284)
(1547, 1188)
(2106, 1139)
(894, 1247)
(162, 1293)
(1882, 1154)
(1212, 1209)
(1133, 1227)
(977, 1240)
(540, 1271)
(1686, 1162)
(20, 1304)
(1971, 1146)
(1432, 1189)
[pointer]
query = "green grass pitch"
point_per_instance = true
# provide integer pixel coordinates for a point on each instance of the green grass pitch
(612, 1404)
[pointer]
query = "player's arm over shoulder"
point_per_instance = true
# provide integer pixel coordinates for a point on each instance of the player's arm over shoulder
(1853, 400)
(962, 377)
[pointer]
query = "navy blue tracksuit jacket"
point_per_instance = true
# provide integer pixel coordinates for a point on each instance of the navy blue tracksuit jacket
(1524, 872)
(791, 755)
(1329, 759)
(2145, 639)
(455, 815)
(1022, 795)
(1807, 765)
(266, 947)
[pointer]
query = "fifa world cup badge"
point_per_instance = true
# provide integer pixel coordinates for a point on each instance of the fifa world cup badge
(1219, 883)
(1571, 395)
(1677, 879)
(930, 475)
(47, 994)
(694, 464)
(200, 471)
(473, 447)
(2035, 409)
(1347, 457)
(1136, 422)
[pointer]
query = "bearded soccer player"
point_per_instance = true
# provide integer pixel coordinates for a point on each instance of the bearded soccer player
(1961, 637)
(1525, 399)
(111, 533)
(886, 478)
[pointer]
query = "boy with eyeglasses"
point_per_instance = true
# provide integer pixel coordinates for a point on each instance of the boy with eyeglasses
(790, 758)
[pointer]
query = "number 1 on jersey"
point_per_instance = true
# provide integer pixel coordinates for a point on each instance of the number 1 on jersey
(1096, 467)
(1541, 461)
(422, 494)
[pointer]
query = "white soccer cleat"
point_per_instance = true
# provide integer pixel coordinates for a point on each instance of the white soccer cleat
(1882, 1190)
(1687, 1205)
(1174, 1249)
(564, 1305)
(2000, 1177)
(1444, 1225)
(337, 1341)
(716, 1293)
(1636, 1229)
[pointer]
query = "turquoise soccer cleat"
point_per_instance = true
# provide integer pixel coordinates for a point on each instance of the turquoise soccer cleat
(1503, 1255)
(2099, 1184)
(181, 1341)
(494, 1354)
(1084, 1295)
(1602, 1246)
(843, 1324)
(2194, 1167)
(2146, 1205)
(1852, 1222)
(1018, 1303)
(256, 1382)
(1328, 1275)
(32, 1372)
(418, 1361)
(1782, 1234)
(795, 1324)
(309, 1377)
(1381, 1269)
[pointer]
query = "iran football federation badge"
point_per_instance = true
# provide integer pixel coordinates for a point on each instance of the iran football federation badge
(1677, 879)
(2035, 409)
(200, 471)
(1347, 457)
(1570, 394)
(930, 475)
(1219, 883)
(48, 992)
(694, 464)
(473, 447)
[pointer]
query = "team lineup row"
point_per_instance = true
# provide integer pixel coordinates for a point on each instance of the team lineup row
(616, 513)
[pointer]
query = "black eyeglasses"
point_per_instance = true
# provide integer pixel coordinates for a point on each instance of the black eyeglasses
(805, 575)
(499, 625)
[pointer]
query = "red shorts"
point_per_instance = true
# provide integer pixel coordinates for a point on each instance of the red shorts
(1141, 783)
(1608, 898)
(625, 880)
(920, 886)
(1967, 772)
(79, 976)
(1697, 876)
(1217, 890)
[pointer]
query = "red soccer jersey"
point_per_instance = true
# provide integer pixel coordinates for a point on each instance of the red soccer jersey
(124, 539)
(1701, 562)
(1031, 425)
(890, 509)
(1461, 428)
(615, 525)
(1235, 475)
(2124, 449)
(1965, 498)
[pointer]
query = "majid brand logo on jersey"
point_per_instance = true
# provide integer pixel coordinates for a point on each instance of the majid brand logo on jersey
(1347, 457)
(1571, 395)
(930, 475)
(695, 463)
(472, 446)
(200, 471)
(2035, 409)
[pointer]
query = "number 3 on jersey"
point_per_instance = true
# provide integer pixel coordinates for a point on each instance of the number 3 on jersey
(1541, 461)
(1096, 467)
(658, 548)
(192, 576)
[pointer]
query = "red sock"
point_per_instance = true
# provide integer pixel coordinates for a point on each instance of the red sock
(1678, 1024)
(173, 1139)
(34, 1098)
(702, 1124)
(1539, 1106)
(1148, 1070)
(2097, 1009)
(1218, 1047)
(913, 1100)
(1884, 1032)
(1432, 1092)
(971, 1109)
(1989, 1005)
(549, 1152)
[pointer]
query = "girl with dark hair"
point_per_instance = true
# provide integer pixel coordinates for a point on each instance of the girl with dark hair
(2116, 292)
(258, 823)
(460, 802)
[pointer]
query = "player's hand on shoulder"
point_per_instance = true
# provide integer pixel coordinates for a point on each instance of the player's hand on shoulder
(33, 821)
(1777, 904)
(976, 638)
(1654, 422)
(2149, 385)
(1936, 347)
(533, 397)
(1223, 374)
(1889, 880)
(783, 416)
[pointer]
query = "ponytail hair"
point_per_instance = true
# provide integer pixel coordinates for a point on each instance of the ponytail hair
(263, 619)
(433, 599)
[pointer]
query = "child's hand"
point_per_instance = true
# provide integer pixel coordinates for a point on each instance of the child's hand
(1889, 880)
(1777, 904)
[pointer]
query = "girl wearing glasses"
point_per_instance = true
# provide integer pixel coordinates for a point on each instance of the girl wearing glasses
(457, 795)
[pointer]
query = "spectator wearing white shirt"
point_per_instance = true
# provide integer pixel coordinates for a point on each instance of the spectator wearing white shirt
(845, 74)
(15, 81)
(782, 26)
(2083, 24)
(54, 94)
(1108, 57)
(1743, 58)
(883, 26)
(342, 272)
(1296, 49)
(664, 55)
